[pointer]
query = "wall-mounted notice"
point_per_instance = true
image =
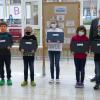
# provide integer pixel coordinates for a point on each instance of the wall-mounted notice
(70, 23)
(67, 40)
(71, 30)
(60, 10)
(61, 25)
(60, 17)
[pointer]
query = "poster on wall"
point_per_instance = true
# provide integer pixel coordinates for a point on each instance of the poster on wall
(37, 34)
(60, 9)
(67, 40)
(60, 17)
(71, 30)
(47, 24)
(70, 23)
(16, 33)
(61, 25)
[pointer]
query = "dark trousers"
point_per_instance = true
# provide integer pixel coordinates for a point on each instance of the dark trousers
(28, 61)
(97, 67)
(54, 57)
(5, 59)
(80, 69)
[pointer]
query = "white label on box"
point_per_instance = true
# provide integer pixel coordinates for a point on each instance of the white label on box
(28, 43)
(2, 41)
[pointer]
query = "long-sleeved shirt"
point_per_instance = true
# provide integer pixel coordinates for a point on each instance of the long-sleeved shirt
(94, 35)
(29, 37)
(78, 38)
(6, 36)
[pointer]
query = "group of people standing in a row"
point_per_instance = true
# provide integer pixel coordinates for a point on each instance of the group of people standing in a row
(54, 51)
(5, 55)
(79, 58)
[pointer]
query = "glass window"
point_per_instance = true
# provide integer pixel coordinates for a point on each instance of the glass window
(28, 13)
(32, 13)
(1, 2)
(13, 18)
(95, 12)
(51, 0)
(89, 11)
(1, 10)
(13, 1)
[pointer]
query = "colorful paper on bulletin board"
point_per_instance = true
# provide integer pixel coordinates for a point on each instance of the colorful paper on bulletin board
(37, 34)
(60, 10)
(70, 23)
(61, 25)
(67, 40)
(60, 17)
(71, 30)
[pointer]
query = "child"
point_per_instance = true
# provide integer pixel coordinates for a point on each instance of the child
(54, 51)
(5, 55)
(28, 57)
(80, 58)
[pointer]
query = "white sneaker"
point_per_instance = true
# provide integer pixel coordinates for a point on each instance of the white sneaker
(57, 81)
(51, 81)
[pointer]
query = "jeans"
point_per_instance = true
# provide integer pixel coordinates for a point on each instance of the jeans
(54, 57)
(28, 61)
(7, 60)
(97, 67)
(80, 69)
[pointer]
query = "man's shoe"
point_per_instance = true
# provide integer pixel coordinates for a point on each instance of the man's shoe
(33, 83)
(96, 87)
(9, 82)
(57, 81)
(93, 79)
(51, 81)
(2, 82)
(24, 83)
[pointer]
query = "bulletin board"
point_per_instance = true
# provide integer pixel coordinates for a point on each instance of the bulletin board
(67, 15)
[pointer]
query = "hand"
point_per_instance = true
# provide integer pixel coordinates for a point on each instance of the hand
(32, 51)
(72, 52)
(22, 50)
(58, 41)
(9, 47)
(49, 41)
(86, 53)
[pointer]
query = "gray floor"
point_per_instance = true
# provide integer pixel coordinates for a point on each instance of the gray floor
(44, 91)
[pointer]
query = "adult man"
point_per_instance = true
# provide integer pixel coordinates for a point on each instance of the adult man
(94, 36)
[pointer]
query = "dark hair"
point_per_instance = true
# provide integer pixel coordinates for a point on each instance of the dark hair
(54, 22)
(81, 28)
(3, 23)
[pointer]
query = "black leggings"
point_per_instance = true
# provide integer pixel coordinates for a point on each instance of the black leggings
(80, 69)
(28, 62)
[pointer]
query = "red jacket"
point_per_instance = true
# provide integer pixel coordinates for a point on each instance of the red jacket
(78, 38)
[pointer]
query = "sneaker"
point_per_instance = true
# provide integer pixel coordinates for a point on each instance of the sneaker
(33, 83)
(57, 81)
(9, 82)
(51, 81)
(93, 79)
(77, 85)
(96, 87)
(81, 85)
(24, 83)
(2, 82)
